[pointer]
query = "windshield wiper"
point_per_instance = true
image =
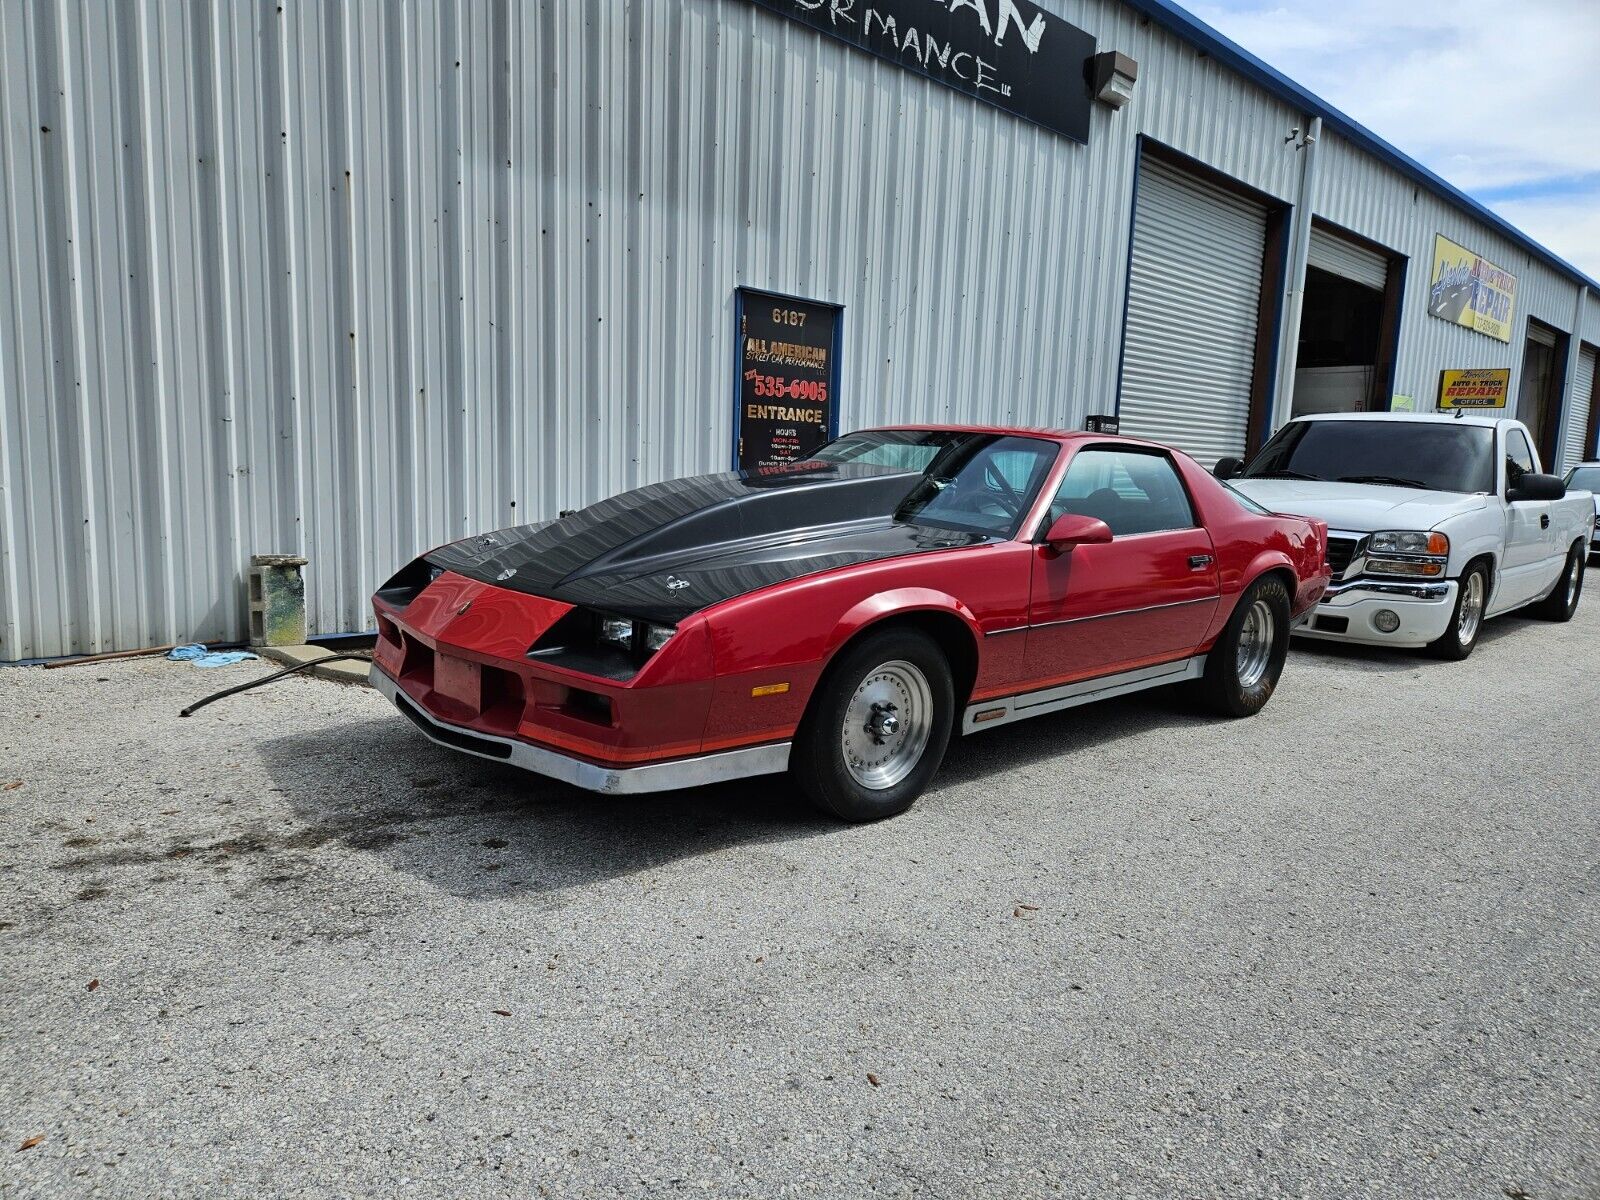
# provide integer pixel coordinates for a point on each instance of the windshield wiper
(1284, 473)
(1392, 480)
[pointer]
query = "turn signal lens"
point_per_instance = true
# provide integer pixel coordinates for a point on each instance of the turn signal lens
(1404, 566)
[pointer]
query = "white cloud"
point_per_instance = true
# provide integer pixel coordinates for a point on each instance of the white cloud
(1493, 96)
(1569, 225)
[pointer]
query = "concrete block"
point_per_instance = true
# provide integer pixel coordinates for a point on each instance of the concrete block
(277, 600)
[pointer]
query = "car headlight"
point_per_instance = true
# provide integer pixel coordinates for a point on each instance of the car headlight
(1395, 541)
(599, 643)
(618, 631)
(1416, 554)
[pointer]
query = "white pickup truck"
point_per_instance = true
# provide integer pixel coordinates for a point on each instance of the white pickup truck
(1435, 523)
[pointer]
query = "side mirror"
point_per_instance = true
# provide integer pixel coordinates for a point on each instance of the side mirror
(1075, 529)
(1227, 468)
(1534, 486)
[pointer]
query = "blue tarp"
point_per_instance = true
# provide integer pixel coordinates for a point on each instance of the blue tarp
(201, 657)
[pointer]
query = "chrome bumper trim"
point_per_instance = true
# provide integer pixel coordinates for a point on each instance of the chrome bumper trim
(702, 769)
(1410, 591)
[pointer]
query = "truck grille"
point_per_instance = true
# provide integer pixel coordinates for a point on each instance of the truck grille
(1340, 551)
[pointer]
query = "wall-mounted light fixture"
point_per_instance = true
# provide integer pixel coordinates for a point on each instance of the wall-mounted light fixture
(1112, 76)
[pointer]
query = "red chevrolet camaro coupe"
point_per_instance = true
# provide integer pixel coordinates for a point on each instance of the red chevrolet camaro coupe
(842, 617)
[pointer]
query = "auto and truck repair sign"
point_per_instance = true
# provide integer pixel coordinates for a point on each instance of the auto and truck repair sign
(1475, 388)
(1009, 53)
(787, 388)
(1470, 290)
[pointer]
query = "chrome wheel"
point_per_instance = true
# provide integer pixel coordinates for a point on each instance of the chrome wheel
(1471, 609)
(1574, 575)
(1256, 637)
(887, 725)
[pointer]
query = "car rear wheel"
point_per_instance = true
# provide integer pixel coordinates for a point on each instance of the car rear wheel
(877, 728)
(1467, 619)
(1560, 604)
(1242, 669)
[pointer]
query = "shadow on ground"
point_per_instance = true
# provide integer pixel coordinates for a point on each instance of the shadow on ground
(478, 828)
(1382, 660)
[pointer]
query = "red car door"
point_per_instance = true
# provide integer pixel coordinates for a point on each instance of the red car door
(1144, 598)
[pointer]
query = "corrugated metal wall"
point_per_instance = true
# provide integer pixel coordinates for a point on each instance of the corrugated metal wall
(355, 279)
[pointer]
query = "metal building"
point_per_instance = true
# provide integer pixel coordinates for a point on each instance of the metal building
(350, 280)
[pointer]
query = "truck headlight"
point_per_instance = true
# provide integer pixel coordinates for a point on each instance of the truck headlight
(1414, 554)
(1396, 541)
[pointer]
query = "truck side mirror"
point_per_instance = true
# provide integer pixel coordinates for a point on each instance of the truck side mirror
(1227, 468)
(1534, 486)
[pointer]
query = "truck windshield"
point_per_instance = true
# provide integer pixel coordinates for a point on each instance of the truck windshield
(1584, 479)
(975, 482)
(1410, 454)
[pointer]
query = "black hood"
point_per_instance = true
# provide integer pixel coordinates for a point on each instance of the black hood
(665, 551)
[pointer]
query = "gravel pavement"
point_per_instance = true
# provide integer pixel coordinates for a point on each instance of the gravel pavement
(1348, 948)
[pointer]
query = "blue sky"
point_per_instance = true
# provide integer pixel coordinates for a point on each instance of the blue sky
(1502, 99)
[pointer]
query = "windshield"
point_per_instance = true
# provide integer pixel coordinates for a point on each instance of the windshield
(974, 482)
(1584, 479)
(1410, 454)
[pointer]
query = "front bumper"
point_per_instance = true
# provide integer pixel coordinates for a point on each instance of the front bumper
(1347, 612)
(694, 771)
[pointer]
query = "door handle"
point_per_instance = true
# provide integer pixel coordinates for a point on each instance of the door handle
(1199, 562)
(1544, 523)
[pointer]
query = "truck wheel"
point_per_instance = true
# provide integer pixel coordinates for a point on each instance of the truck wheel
(1560, 604)
(877, 728)
(1243, 667)
(1462, 635)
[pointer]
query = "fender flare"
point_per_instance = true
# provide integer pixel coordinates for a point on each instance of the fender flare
(881, 606)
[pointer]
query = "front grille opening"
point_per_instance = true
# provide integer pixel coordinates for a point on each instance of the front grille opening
(388, 631)
(1331, 624)
(503, 699)
(1340, 553)
(588, 706)
(417, 664)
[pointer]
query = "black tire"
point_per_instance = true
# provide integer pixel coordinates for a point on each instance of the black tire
(818, 764)
(1223, 688)
(1561, 603)
(1461, 636)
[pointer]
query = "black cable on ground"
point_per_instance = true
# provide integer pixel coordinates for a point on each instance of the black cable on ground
(255, 683)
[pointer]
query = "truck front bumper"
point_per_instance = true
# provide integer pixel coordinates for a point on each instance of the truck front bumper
(1350, 612)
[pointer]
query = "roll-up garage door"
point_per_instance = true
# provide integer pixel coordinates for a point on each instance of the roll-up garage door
(1574, 451)
(1194, 288)
(1338, 257)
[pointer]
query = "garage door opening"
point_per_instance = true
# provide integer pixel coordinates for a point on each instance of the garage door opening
(1349, 325)
(1544, 365)
(1203, 278)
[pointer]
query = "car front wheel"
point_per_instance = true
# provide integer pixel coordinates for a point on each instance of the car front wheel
(877, 728)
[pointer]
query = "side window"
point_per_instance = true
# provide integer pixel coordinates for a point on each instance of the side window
(1519, 458)
(1131, 491)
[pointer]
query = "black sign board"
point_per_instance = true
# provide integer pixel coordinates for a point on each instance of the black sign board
(786, 390)
(1009, 53)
